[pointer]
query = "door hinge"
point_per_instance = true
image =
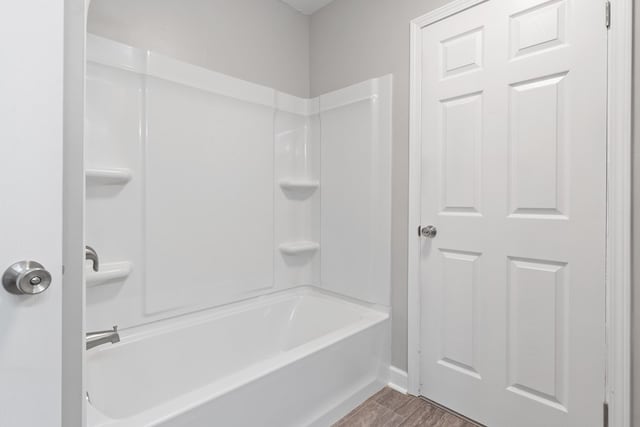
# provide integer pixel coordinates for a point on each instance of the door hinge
(607, 14)
(605, 414)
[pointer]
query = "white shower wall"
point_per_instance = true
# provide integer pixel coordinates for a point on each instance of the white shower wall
(297, 197)
(204, 189)
(356, 190)
(209, 194)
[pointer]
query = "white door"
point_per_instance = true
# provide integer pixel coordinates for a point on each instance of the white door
(31, 48)
(513, 135)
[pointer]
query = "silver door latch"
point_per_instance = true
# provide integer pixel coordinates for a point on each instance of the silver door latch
(428, 231)
(26, 278)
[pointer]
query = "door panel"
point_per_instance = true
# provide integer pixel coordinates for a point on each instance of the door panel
(537, 330)
(462, 135)
(31, 87)
(537, 169)
(513, 130)
(459, 306)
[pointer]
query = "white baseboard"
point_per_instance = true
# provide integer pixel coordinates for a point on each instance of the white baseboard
(398, 379)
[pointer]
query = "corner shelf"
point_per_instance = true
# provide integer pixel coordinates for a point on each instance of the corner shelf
(299, 184)
(108, 272)
(108, 176)
(298, 248)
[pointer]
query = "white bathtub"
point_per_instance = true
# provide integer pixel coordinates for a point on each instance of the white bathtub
(298, 358)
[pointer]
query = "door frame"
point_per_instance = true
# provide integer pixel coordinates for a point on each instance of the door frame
(73, 411)
(619, 167)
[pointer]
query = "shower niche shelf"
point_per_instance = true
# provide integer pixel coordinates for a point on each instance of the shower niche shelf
(108, 176)
(299, 248)
(291, 184)
(109, 272)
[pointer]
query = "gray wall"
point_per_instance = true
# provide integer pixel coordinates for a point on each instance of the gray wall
(263, 41)
(353, 40)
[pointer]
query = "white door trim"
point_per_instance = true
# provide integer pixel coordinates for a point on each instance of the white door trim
(618, 286)
(73, 294)
(618, 392)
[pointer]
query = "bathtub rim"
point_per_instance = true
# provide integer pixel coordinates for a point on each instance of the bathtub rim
(160, 326)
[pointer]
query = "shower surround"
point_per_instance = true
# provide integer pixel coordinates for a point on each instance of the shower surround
(214, 201)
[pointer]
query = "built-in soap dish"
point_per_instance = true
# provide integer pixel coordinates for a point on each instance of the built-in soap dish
(108, 273)
(299, 248)
(108, 176)
(291, 184)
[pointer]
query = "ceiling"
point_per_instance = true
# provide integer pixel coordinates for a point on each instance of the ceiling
(307, 7)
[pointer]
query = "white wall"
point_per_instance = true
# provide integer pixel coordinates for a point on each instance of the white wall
(212, 163)
(356, 190)
(351, 41)
(208, 197)
(195, 222)
(262, 41)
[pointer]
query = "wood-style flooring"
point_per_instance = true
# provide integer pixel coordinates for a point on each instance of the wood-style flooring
(389, 408)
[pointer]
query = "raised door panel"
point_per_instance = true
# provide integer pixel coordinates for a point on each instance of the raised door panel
(538, 28)
(459, 311)
(537, 324)
(538, 164)
(461, 155)
(462, 53)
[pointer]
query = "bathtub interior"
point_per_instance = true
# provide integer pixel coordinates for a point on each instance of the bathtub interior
(207, 194)
(221, 349)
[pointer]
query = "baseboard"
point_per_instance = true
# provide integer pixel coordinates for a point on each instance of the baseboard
(398, 379)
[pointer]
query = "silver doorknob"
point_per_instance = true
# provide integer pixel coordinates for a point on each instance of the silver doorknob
(428, 231)
(26, 278)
